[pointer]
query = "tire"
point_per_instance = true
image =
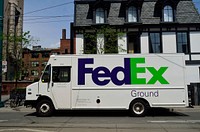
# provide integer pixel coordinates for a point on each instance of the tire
(44, 108)
(138, 108)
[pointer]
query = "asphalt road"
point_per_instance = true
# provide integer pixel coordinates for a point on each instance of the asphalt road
(157, 120)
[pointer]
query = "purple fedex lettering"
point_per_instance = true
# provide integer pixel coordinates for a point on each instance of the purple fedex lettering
(82, 70)
(103, 72)
(96, 74)
(125, 71)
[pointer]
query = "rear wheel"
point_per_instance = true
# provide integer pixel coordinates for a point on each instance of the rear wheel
(44, 108)
(138, 108)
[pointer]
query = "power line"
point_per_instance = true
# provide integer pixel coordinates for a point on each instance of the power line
(50, 7)
(47, 17)
(40, 22)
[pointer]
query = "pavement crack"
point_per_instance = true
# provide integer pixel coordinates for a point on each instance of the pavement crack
(64, 123)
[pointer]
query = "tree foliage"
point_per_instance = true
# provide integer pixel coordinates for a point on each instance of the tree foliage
(14, 45)
(103, 39)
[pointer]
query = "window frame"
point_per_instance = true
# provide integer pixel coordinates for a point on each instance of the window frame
(35, 64)
(101, 18)
(187, 45)
(150, 43)
(113, 46)
(168, 13)
(45, 55)
(69, 74)
(90, 39)
(34, 55)
(131, 12)
(44, 63)
(33, 73)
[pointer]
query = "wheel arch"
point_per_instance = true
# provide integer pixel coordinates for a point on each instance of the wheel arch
(142, 99)
(44, 98)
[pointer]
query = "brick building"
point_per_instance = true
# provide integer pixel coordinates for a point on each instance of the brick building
(35, 60)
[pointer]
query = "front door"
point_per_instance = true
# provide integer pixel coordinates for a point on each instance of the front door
(61, 86)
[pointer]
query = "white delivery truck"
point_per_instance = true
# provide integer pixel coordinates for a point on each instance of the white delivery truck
(132, 82)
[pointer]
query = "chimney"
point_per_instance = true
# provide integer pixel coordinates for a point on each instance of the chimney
(63, 33)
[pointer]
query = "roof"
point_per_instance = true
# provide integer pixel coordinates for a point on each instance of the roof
(185, 11)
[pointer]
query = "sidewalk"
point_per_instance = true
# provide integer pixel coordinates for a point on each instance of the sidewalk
(17, 109)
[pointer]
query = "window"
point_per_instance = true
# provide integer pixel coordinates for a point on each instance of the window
(90, 43)
(100, 15)
(168, 14)
(133, 45)
(111, 45)
(155, 43)
(132, 14)
(35, 64)
(46, 74)
(25, 73)
(45, 55)
(61, 74)
(35, 55)
(34, 73)
(44, 63)
(182, 42)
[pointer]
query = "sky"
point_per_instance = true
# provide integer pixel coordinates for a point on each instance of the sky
(45, 20)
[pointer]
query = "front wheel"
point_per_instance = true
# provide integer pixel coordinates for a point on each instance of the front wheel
(44, 108)
(138, 108)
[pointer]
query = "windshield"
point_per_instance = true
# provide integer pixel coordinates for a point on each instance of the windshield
(47, 74)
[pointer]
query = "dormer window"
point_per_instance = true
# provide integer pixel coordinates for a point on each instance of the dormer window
(168, 14)
(132, 14)
(100, 15)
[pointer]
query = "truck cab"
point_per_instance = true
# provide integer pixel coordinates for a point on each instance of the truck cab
(45, 95)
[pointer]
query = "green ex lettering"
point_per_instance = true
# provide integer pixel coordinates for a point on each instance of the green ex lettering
(157, 75)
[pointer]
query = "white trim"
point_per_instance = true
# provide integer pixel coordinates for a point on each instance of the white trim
(79, 44)
(122, 43)
(100, 44)
(144, 43)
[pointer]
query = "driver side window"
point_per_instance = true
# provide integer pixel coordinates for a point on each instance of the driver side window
(61, 74)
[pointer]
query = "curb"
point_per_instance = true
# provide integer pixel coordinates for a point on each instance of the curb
(188, 109)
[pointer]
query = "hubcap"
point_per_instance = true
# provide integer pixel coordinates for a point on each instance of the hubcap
(44, 108)
(138, 108)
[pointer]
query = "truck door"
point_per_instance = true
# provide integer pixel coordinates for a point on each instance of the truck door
(61, 86)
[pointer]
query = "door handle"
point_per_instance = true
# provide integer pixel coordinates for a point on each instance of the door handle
(52, 84)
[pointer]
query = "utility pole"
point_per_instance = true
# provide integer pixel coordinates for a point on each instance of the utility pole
(1, 46)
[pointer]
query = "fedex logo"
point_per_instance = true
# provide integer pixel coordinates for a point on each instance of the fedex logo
(102, 76)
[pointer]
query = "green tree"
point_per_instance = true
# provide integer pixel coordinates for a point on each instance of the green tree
(103, 39)
(14, 47)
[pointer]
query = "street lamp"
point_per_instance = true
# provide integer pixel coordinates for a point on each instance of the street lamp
(1, 45)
